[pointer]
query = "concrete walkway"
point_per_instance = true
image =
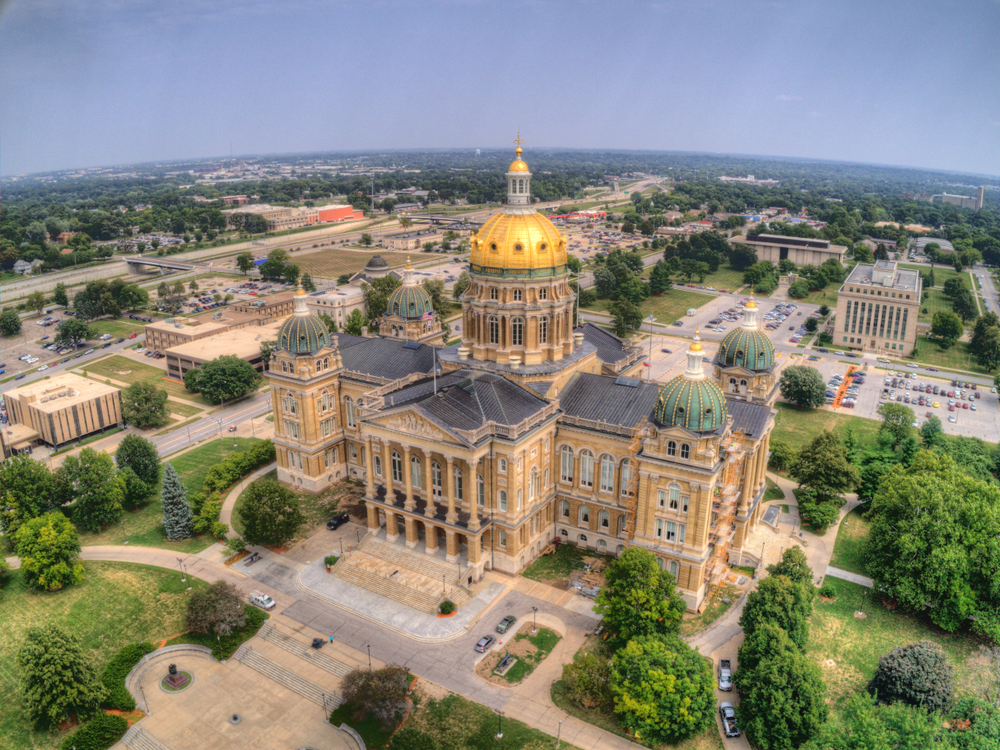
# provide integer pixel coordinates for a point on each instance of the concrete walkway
(852, 577)
(226, 515)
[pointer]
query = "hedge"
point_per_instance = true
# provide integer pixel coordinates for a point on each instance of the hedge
(229, 471)
(100, 733)
(114, 675)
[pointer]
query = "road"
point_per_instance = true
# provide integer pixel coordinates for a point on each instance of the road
(214, 425)
(991, 299)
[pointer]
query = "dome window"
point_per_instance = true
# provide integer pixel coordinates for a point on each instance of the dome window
(493, 246)
(543, 247)
(519, 247)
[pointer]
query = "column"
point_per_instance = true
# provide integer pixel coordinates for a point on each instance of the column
(472, 488)
(452, 515)
(412, 535)
(390, 493)
(369, 470)
(430, 539)
(391, 525)
(428, 487)
(749, 483)
(373, 523)
(451, 545)
(408, 479)
(762, 462)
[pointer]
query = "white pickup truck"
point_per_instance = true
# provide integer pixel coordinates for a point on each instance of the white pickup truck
(725, 676)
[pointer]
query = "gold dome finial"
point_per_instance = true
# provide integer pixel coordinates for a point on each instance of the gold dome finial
(518, 142)
(408, 266)
(696, 346)
(751, 305)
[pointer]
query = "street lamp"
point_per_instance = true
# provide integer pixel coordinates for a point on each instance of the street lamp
(534, 627)
(559, 733)
(369, 646)
(499, 724)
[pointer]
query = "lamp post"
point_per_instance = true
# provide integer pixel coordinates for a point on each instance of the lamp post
(559, 734)
(649, 363)
(534, 626)
(499, 724)
(369, 647)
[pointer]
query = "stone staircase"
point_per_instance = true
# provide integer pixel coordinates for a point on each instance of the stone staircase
(304, 651)
(387, 587)
(418, 562)
(137, 738)
(309, 690)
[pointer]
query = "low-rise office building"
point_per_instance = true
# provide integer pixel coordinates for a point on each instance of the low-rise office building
(244, 343)
(338, 303)
(64, 408)
(273, 306)
(288, 217)
(412, 241)
(164, 334)
(801, 251)
(878, 307)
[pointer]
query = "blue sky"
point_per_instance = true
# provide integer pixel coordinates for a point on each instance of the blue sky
(101, 82)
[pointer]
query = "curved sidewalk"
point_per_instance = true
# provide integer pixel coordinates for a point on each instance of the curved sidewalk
(226, 515)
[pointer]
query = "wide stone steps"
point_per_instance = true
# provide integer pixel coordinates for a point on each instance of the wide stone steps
(418, 562)
(387, 587)
(136, 738)
(304, 651)
(309, 690)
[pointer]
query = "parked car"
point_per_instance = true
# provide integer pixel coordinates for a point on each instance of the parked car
(484, 643)
(725, 676)
(728, 715)
(505, 623)
(337, 521)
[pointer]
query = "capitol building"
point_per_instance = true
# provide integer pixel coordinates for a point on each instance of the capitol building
(530, 428)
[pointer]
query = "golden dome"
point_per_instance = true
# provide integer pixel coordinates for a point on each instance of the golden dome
(518, 166)
(518, 241)
(751, 305)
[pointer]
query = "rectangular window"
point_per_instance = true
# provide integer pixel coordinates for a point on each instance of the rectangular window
(671, 535)
(681, 531)
(663, 498)
(566, 469)
(675, 496)
(685, 499)
(607, 476)
(503, 538)
(902, 334)
(659, 528)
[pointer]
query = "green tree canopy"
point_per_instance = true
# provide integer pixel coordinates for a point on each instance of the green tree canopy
(639, 598)
(140, 455)
(270, 513)
(27, 490)
(178, 520)
(227, 377)
(10, 322)
(377, 297)
(794, 566)
(825, 466)
(918, 674)
(779, 601)
(73, 332)
(91, 482)
(217, 609)
(803, 386)
(49, 550)
(145, 405)
(244, 262)
(663, 689)
(57, 677)
(946, 325)
(897, 421)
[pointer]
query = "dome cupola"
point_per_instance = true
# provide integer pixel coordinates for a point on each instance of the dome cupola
(691, 400)
(410, 300)
(303, 332)
(747, 346)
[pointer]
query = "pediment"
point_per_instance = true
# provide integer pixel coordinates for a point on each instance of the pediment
(413, 423)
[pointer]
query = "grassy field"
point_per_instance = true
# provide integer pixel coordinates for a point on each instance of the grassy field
(556, 568)
(125, 370)
(544, 641)
(773, 492)
(941, 273)
(935, 302)
(329, 264)
(827, 296)
(117, 604)
(666, 308)
(318, 509)
(957, 357)
(799, 427)
(144, 527)
(855, 644)
(185, 410)
(848, 551)
(117, 328)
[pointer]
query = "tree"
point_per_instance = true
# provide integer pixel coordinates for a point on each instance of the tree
(245, 262)
(954, 287)
(824, 311)
(217, 609)
(193, 286)
(865, 725)
(35, 301)
(988, 350)
(91, 482)
(379, 693)
(931, 431)
(946, 325)
(10, 322)
(59, 295)
(177, 515)
(782, 455)
(742, 256)
(28, 491)
(270, 513)
(344, 278)
(140, 455)
(918, 674)
(782, 694)
(799, 289)
(964, 306)
(639, 598)
(227, 377)
(605, 282)
(49, 550)
(663, 689)
(983, 324)
(463, 282)
(627, 316)
(824, 465)
(377, 297)
(811, 324)
(144, 405)
(794, 566)
(191, 379)
(73, 332)
(307, 283)
(934, 541)
(354, 323)
(588, 681)
(573, 264)
(366, 240)
(290, 274)
(57, 679)
(803, 386)
(659, 278)
(896, 421)
(782, 602)
(627, 227)
(691, 268)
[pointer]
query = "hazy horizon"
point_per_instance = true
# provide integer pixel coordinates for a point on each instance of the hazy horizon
(129, 82)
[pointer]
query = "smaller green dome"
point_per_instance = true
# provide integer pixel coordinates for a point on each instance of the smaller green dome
(409, 302)
(746, 347)
(696, 405)
(303, 335)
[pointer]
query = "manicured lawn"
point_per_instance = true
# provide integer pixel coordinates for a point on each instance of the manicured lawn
(855, 644)
(125, 370)
(799, 427)
(848, 551)
(117, 604)
(958, 357)
(666, 308)
(544, 641)
(194, 465)
(117, 328)
(185, 410)
(773, 492)
(333, 262)
(369, 728)
(556, 568)
(935, 302)
(317, 509)
(941, 274)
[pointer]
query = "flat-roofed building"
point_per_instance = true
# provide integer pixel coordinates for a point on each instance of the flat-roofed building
(164, 334)
(878, 307)
(291, 217)
(338, 303)
(273, 306)
(411, 241)
(65, 407)
(244, 343)
(801, 251)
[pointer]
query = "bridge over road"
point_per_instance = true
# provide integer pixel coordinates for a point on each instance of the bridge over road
(139, 264)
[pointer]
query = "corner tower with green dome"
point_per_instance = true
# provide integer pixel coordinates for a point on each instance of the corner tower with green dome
(691, 400)
(745, 365)
(409, 313)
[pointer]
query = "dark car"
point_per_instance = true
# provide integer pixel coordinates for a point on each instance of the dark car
(823, 351)
(505, 623)
(484, 643)
(19, 377)
(337, 521)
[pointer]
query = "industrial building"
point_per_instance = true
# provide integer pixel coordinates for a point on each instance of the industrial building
(801, 251)
(285, 217)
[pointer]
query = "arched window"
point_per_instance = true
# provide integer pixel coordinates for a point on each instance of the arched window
(494, 294)
(436, 478)
(543, 293)
(583, 538)
(674, 569)
(619, 549)
(564, 508)
(685, 450)
(517, 332)
(377, 463)
(743, 384)
(480, 491)
(586, 469)
(416, 473)
(517, 295)
(546, 485)
(607, 474)
(457, 476)
(671, 448)
(601, 543)
(326, 363)
(520, 497)
(604, 520)
(583, 516)
(349, 411)
(543, 331)
(566, 464)
(397, 467)
(502, 466)
(675, 496)
(563, 532)
(494, 329)
(625, 477)
(503, 501)
(533, 486)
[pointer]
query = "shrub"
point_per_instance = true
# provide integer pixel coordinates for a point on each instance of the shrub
(827, 591)
(103, 732)
(447, 607)
(330, 560)
(918, 674)
(238, 465)
(117, 670)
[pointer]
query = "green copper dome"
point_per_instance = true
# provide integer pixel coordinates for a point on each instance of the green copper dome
(746, 347)
(696, 405)
(302, 333)
(409, 302)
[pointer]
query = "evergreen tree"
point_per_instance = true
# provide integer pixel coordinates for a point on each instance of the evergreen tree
(177, 516)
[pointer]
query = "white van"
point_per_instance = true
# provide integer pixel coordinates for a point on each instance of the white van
(262, 600)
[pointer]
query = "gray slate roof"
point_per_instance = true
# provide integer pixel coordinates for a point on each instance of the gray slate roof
(600, 398)
(609, 347)
(385, 358)
(750, 418)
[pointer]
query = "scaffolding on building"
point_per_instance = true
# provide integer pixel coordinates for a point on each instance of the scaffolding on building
(632, 488)
(722, 530)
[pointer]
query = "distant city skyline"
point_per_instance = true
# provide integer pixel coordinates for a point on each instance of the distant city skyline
(132, 81)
